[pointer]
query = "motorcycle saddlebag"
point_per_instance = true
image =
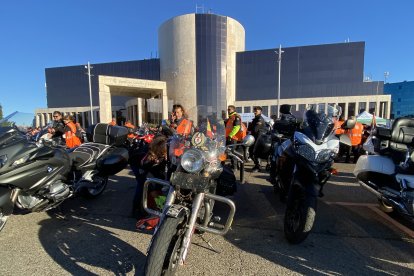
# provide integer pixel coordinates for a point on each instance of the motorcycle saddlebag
(226, 183)
(113, 161)
(107, 134)
(263, 146)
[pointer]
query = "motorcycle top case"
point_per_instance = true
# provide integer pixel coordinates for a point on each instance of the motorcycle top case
(107, 134)
(262, 148)
(114, 161)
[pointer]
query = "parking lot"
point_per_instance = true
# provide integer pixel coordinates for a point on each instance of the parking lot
(351, 236)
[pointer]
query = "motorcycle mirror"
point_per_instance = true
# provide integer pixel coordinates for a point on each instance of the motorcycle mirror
(248, 141)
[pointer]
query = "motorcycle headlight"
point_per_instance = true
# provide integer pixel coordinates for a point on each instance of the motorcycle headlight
(192, 161)
(306, 152)
(324, 155)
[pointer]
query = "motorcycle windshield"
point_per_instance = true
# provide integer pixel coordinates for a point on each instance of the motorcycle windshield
(206, 140)
(319, 122)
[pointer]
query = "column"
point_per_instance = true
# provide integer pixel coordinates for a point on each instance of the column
(346, 110)
(105, 103)
(140, 111)
(356, 107)
(42, 120)
(388, 109)
(164, 104)
(37, 120)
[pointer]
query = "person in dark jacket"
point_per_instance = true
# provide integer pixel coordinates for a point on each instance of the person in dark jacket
(58, 127)
(256, 128)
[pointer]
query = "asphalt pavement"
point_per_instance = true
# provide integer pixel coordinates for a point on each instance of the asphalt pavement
(351, 236)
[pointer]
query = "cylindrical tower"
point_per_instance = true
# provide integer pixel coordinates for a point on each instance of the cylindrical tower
(198, 59)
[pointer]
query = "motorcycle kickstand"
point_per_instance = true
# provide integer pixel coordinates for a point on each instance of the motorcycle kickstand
(209, 243)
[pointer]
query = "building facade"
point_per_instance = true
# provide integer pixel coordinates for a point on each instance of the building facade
(203, 62)
(402, 94)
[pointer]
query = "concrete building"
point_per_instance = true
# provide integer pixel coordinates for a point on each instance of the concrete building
(402, 94)
(202, 61)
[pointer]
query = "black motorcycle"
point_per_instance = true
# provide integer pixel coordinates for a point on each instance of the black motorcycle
(37, 177)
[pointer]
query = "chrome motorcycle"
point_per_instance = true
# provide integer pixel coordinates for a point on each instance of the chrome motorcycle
(191, 195)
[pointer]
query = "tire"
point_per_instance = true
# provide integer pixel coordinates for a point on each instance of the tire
(299, 216)
(100, 186)
(163, 255)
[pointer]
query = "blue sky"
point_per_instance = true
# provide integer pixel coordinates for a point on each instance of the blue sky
(36, 34)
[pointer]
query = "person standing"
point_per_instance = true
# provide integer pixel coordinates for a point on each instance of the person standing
(233, 125)
(58, 127)
(180, 123)
(256, 128)
(70, 132)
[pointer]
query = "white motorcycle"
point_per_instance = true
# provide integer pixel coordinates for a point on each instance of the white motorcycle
(387, 170)
(304, 165)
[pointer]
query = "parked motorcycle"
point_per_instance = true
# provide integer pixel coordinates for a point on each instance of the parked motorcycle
(387, 171)
(192, 194)
(304, 165)
(37, 177)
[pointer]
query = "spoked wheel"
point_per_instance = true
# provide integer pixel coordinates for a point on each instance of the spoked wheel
(299, 216)
(98, 187)
(163, 256)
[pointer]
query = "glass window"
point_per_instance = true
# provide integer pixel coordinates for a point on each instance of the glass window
(247, 109)
(362, 107)
(265, 110)
(372, 106)
(273, 110)
(351, 109)
(238, 109)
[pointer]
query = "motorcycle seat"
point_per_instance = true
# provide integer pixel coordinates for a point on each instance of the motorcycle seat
(85, 156)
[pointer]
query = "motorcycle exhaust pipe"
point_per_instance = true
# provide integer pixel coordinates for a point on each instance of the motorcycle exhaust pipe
(370, 189)
(397, 205)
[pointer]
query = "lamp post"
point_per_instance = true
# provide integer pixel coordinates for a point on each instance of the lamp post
(90, 88)
(279, 60)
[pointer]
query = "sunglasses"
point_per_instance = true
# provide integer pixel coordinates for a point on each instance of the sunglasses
(55, 116)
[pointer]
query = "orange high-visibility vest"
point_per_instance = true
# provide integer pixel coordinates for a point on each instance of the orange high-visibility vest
(355, 134)
(184, 128)
(338, 129)
(229, 128)
(70, 136)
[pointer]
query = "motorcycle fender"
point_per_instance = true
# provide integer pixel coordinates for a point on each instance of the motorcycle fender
(307, 181)
(374, 163)
(177, 211)
(6, 204)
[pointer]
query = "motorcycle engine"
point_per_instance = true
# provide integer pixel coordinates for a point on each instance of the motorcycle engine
(54, 193)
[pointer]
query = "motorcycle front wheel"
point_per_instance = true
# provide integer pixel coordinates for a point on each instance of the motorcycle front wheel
(163, 255)
(299, 216)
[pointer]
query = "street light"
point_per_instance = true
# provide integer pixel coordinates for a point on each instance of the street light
(89, 67)
(386, 75)
(279, 60)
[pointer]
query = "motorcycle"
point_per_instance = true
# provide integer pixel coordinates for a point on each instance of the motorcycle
(36, 177)
(304, 165)
(387, 171)
(191, 194)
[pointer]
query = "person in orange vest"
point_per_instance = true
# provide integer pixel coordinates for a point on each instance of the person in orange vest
(180, 123)
(338, 125)
(70, 132)
(131, 128)
(355, 135)
(233, 125)
(113, 122)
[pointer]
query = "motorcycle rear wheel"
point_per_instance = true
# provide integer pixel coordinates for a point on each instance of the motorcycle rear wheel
(299, 216)
(164, 252)
(98, 189)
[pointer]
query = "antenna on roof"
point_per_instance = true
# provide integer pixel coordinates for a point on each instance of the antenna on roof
(201, 7)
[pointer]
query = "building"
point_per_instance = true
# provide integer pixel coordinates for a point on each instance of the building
(202, 61)
(402, 94)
